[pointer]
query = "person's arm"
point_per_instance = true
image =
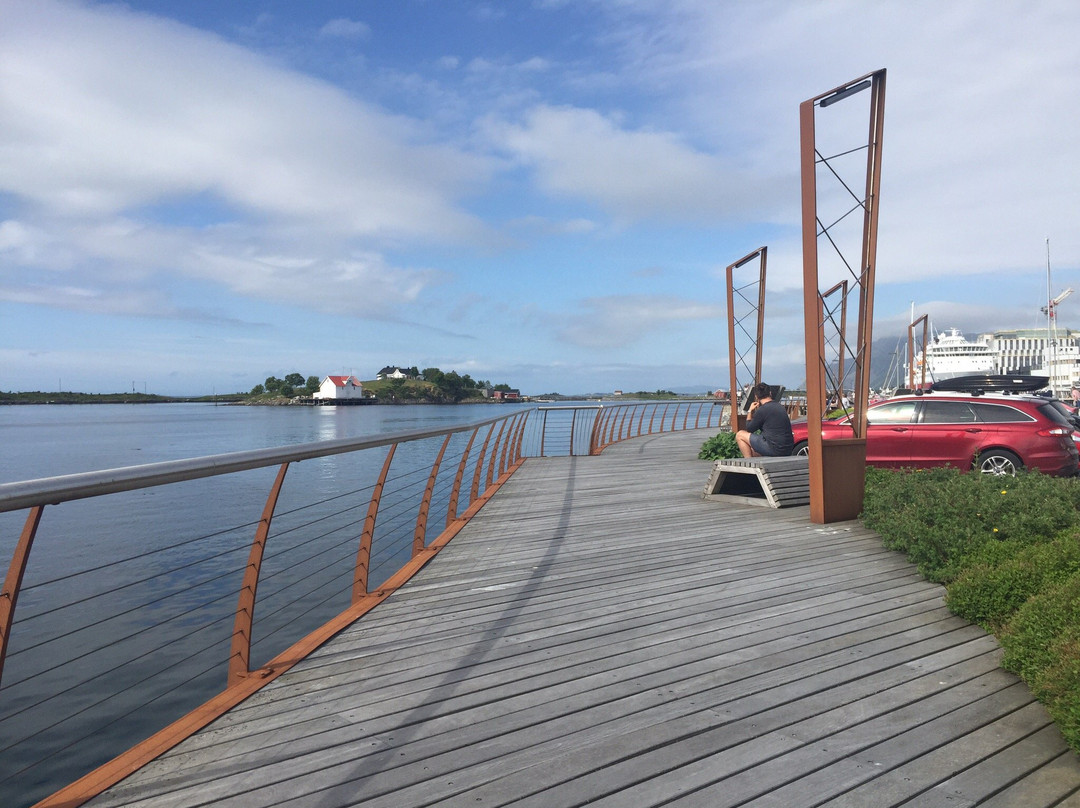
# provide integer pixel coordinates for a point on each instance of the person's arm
(753, 422)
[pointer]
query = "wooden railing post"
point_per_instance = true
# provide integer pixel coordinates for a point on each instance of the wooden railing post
(494, 455)
(614, 418)
(13, 580)
(594, 435)
(543, 433)
(363, 553)
(422, 515)
(240, 653)
(521, 435)
(451, 508)
(474, 494)
(622, 422)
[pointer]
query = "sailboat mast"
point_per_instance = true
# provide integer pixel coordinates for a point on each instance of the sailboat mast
(1051, 330)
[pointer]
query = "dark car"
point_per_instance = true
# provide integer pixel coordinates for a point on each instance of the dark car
(994, 433)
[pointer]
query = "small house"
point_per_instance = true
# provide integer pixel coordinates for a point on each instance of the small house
(340, 387)
(390, 372)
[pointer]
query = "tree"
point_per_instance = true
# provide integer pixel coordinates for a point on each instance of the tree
(258, 390)
(273, 384)
(433, 375)
(413, 372)
(452, 386)
(312, 384)
(295, 380)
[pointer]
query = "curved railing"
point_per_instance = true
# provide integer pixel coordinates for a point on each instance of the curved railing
(634, 419)
(128, 621)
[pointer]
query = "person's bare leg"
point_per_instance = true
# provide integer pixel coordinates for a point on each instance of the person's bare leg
(742, 438)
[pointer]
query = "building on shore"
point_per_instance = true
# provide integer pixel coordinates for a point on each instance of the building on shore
(339, 388)
(1033, 351)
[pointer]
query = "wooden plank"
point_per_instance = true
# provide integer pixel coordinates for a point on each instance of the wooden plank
(602, 634)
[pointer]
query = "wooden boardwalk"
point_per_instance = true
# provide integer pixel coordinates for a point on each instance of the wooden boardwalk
(602, 635)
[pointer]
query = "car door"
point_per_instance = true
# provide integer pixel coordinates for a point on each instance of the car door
(947, 433)
(888, 433)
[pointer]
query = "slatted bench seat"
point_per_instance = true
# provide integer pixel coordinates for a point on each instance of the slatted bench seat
(776, 482)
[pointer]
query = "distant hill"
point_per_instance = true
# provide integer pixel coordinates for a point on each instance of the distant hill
(38, 397)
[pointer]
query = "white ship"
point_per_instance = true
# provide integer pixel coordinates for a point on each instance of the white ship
(950, 354)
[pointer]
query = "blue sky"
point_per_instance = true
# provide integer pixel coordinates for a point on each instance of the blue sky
(195, 195)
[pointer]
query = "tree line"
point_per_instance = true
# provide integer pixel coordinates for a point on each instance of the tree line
(292, 385)
(448, 386)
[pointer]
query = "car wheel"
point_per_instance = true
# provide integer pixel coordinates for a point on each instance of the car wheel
(998, 462)
(801, 449)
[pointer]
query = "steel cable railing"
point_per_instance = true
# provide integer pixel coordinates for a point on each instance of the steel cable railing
(114, 645)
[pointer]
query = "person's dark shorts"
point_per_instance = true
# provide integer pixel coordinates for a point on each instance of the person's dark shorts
(759, 445)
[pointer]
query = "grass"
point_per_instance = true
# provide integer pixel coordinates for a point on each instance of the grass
(1008, 553)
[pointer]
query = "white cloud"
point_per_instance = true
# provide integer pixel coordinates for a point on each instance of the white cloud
(198, 114)
(631, 174)
(620, 320)
(359, 285)
(980, 107)
(143, 111)
(345, 28)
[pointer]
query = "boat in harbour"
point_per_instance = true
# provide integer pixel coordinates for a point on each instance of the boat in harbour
(951, 354)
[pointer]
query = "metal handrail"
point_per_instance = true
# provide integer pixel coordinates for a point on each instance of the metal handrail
(65, 488)
(477, 472)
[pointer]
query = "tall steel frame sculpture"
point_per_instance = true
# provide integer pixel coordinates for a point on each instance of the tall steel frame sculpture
(754, 306)
(838, 467)
(911, 352)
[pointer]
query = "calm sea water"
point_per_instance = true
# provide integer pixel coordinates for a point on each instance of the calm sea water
(48, 440)
(198, 532)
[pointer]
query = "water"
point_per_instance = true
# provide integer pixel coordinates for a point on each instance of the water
(183, 548)
(48, 440)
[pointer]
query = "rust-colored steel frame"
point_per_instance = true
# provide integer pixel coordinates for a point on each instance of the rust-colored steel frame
(911, 351)
(363, 553)
(757, 308)
(827, 315)
(13, 580)
(836, 490)
(240, 652)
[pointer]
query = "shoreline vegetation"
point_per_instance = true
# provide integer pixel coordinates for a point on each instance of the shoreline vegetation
(387, 391)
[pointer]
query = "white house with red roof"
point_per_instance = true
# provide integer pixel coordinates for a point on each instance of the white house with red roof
(340, 387)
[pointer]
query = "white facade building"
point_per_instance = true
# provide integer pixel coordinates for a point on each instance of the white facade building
(340, 387)
(1029, 351)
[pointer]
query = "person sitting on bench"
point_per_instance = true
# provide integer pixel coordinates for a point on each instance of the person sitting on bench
(768, 427)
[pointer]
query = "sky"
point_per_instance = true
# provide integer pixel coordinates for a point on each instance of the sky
(196, 195)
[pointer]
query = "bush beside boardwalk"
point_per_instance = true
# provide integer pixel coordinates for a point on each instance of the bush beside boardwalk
(1008, 553)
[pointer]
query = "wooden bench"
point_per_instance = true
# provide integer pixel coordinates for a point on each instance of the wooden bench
(777, 482)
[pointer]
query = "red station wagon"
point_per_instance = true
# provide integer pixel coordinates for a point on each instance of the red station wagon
(995, 433)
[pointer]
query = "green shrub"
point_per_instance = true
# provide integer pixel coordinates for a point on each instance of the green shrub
(1009, 552)
(941, 518)
(720, 447)
(1004, 575)
(1042, 645)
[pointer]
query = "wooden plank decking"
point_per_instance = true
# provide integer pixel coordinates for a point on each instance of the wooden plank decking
(601, 634)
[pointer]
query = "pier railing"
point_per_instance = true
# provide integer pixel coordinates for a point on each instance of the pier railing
(132, 619)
